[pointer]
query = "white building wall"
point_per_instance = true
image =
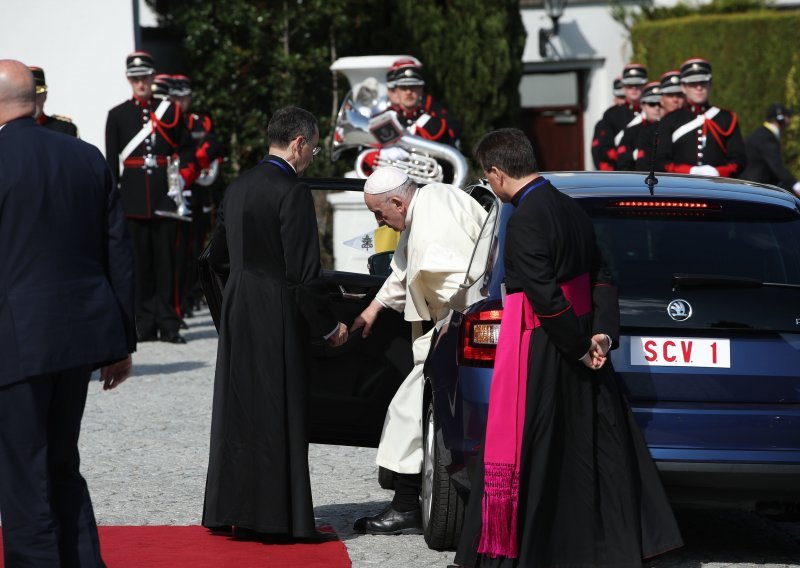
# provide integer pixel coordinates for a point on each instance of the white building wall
(587, 33)
(81, 45)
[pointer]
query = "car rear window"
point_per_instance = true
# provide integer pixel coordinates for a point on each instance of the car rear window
(643, 252)
(645, 249)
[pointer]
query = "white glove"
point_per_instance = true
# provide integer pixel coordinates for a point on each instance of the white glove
(796, 188)
(704, 171)
(394, 153)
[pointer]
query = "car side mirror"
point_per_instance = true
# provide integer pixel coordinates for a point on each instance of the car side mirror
(380, 264)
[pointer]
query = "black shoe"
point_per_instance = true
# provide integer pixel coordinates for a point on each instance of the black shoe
(173, 337)
(390, 522)
(146, 336)
(183, 324)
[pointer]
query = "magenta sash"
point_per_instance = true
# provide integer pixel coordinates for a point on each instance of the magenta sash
(506, 421)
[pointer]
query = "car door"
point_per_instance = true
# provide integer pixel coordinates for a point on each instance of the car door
(351, 386)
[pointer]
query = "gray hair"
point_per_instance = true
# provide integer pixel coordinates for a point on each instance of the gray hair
(405, 192)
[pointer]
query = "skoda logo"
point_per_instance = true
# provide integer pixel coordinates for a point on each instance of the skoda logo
(679, 310)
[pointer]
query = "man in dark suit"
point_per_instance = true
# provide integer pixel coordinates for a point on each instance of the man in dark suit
(66, 307)
(763, 146)
(258, 478)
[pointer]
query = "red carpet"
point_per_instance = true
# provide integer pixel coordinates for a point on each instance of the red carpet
(195, 547)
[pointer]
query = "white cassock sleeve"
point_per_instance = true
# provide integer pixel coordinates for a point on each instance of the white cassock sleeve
(393, 293)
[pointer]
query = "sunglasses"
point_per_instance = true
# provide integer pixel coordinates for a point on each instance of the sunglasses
(653, 104)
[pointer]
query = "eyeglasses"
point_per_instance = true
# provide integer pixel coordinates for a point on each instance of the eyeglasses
(653, 104)
(316, 150)
(698, 85)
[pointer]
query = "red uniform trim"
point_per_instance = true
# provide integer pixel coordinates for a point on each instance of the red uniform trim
(678, 168)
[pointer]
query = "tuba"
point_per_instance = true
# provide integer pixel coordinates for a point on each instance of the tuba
(364, 123)
(182, 212)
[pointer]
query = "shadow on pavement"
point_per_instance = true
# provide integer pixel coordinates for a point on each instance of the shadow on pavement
(729, 537)
(166, 368)
(341, 516)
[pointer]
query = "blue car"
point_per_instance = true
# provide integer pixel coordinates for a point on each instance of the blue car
(708, 272)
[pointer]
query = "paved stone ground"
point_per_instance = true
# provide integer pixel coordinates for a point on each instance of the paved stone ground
(145, 449)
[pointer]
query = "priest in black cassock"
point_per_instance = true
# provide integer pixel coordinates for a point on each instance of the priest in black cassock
(564, 477)
(258, 481)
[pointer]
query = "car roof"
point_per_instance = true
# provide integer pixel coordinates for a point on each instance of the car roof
(632, 184)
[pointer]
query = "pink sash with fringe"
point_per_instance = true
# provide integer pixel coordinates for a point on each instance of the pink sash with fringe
(506, 421)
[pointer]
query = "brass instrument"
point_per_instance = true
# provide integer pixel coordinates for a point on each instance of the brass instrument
(182, 212)
(365, 124)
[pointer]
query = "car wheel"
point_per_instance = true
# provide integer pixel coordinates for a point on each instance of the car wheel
(385, 478)
(442, 506)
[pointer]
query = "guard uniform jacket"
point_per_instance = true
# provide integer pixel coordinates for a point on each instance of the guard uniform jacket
(143, 181)
(58, 123)
(764, 163)
(635, 151)
(698, 135)
(429, 120)
(615, 119)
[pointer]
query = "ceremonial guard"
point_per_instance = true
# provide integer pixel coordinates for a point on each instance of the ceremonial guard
(618, 117)
(208, 156)
(764, 163)
(602, 134)
(55, 122)
(417, 111)
(699, 138)
(672, 97)
(635, 151)
(149, 148)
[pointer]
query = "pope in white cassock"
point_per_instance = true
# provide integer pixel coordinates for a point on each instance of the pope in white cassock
(440, 227)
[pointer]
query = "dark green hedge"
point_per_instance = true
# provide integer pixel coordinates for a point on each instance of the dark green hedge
(755, 58)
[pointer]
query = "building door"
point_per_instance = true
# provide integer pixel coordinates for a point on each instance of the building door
(552, 117)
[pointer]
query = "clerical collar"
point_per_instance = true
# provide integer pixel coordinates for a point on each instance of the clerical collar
(526, 189)
(280, 163)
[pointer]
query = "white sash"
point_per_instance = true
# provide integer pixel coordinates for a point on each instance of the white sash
(696, 123)
(146, 130)
(636, 120)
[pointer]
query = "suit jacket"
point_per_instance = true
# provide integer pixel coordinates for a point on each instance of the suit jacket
(764, 163)
(443, 225)
(66, 284)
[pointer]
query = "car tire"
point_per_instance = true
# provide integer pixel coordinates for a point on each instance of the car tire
(442, 506)
(386, 478)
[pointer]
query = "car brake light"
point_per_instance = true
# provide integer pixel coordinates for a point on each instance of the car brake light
(664, 204)
(479, 338)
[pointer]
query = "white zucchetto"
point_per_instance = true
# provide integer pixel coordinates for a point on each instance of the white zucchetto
(385, 179)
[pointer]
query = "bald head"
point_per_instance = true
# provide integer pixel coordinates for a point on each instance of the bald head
(17, 90)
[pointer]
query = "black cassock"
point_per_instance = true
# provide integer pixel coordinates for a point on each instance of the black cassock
(272, 304)
(590, 494)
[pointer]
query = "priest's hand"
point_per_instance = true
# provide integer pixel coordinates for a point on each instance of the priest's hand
(603, 341)
(594, 358)
(367, 318)
(339, 336)
(115, 374)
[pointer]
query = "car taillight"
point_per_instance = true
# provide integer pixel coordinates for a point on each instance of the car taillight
(479, 338)
(668, 206)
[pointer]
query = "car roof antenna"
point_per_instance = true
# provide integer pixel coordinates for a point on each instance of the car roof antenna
(651, 179)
